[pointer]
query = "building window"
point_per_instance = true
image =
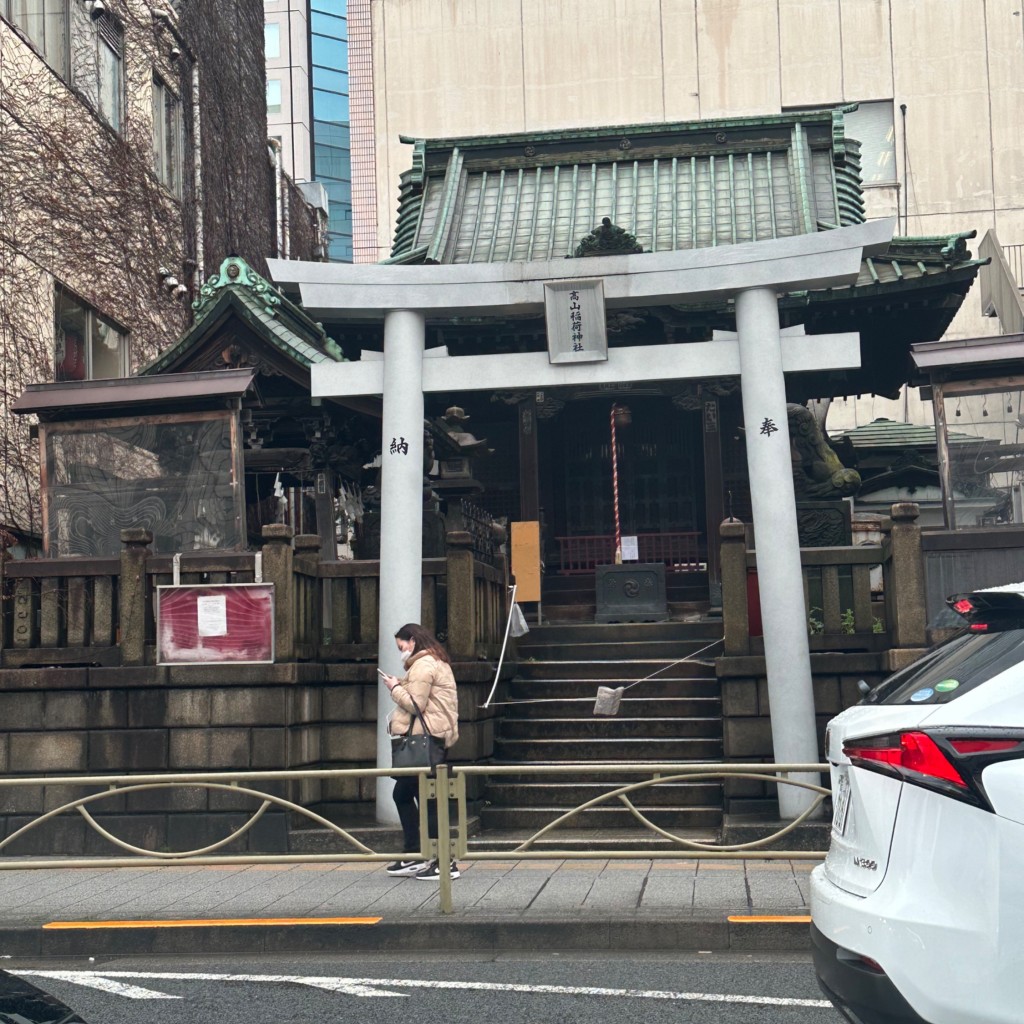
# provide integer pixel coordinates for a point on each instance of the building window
(167, 136)
(332, 163)
(871, 125)
(45, 23)
(109, 69)
(271, 41)
(273, 96)
(86, 347)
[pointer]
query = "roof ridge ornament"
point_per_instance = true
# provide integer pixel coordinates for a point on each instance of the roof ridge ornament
(235, 271)
(607, 239)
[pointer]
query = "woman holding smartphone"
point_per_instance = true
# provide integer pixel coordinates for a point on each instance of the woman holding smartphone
(428, 684)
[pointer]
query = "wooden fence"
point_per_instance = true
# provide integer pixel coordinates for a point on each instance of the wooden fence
(99, 611)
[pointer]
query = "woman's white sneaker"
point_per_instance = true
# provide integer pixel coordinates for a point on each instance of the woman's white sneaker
(406, 867)
(432, 872)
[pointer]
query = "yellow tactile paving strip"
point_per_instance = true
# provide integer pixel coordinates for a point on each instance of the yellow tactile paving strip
(249, 922)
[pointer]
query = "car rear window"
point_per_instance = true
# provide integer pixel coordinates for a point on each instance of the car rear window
(951, 670)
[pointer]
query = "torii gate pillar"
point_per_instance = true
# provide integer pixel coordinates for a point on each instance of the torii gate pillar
(401, 514)
(779, 573)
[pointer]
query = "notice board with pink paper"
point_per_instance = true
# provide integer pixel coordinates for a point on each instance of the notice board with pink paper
(211, 624)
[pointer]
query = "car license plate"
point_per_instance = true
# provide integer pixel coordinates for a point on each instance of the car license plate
(841, 803)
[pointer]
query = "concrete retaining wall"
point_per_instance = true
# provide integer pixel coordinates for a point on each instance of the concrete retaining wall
(67, 721)
(746, 722)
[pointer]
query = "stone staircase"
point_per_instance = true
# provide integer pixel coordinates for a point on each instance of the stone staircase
(676, 716)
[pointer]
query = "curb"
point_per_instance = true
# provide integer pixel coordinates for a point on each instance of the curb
(582, 934)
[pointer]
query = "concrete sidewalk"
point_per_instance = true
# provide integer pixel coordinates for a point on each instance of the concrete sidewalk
(498, 905)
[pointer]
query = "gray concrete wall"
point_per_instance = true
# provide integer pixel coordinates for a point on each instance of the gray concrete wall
(746, 722)
(102, 721)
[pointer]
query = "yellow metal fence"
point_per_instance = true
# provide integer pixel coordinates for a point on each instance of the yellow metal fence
(447, 786)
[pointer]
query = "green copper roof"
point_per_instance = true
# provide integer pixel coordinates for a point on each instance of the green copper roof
(885, 433)
(675, 186)
(274, 318)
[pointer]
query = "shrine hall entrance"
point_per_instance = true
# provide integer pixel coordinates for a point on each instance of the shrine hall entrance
(660, 483)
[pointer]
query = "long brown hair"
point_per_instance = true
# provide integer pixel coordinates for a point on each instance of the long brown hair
(423, 640)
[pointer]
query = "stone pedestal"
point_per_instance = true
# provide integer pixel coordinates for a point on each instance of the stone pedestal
(631, 592)
(824, 524)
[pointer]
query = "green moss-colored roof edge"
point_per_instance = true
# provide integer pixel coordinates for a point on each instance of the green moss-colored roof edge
(826, 117)
(282, 324)
(886, 433)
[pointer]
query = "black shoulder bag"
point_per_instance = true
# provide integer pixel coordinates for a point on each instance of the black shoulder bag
(416, 751)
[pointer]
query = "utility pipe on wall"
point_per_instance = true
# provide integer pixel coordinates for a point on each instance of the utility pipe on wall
(197, 164)
(286, 213)
(275, 158)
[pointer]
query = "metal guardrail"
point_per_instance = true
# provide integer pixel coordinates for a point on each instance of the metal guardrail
(447, 784)
(1014, 255)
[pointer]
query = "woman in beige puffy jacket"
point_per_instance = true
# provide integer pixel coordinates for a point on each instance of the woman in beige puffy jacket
(429, 682)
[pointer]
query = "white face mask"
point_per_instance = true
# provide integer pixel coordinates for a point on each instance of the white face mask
(406, 655)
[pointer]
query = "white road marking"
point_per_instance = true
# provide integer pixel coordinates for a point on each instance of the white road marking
(104, 984)
(379, 986)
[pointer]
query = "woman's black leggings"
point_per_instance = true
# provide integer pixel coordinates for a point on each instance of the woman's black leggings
(407, 788)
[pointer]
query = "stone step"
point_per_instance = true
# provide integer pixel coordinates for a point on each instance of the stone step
(585, 688)
(379, 838)
(582, 614)
(570, 837)
(589, 750)
(602, 728)
(535, 818)
(621, 632)
(629, 707)
(618, 650)
(572, 793)
(628, 670)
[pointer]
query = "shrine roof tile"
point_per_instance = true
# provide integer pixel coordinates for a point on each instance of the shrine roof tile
(886, 433)
(672, 186)
(656, 187)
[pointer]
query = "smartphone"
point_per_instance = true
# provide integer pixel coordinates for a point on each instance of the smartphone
(382, 673)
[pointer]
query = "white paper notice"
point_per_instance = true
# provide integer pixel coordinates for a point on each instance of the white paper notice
(212, 613)
(629, 549)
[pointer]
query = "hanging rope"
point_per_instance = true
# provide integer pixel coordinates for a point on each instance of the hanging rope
(560, 700)
(501, 658)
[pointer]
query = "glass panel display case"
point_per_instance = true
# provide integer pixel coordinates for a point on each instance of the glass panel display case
(175, 474)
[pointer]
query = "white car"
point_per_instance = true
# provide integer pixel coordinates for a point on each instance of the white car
(918, 911)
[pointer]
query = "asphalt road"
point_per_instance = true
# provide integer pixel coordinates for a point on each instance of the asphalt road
(418, 989)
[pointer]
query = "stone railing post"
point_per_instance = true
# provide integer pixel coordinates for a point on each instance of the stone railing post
(307, 547)
(461, 596)
(905, 601)
(735, 616)
(278, 568)
(133, 595)
(309, 609)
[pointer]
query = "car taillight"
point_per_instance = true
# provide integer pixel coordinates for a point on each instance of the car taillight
(982, 746)
(912, 751)
(947, 760)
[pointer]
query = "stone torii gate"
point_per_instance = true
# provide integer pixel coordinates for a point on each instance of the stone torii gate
(753, 274)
